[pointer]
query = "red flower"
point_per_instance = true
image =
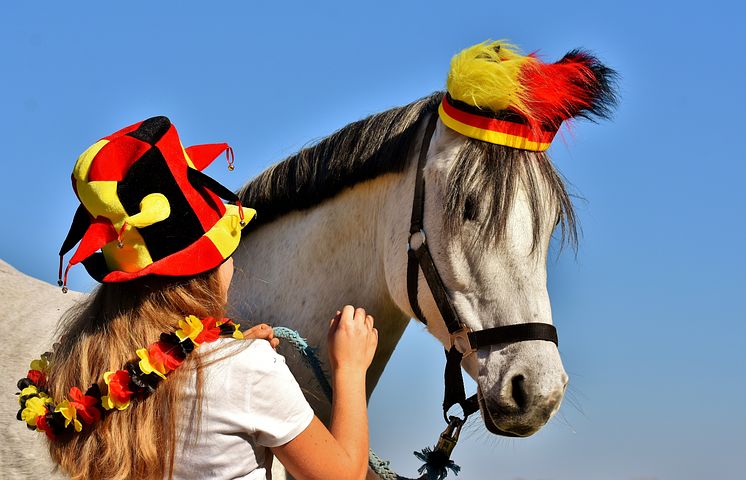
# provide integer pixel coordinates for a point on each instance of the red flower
(165, 354)
(37, 377)
(119, 387)
(86, 406)
(41, 424)
(209, 333)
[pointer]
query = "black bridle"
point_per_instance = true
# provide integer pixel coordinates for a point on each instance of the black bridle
(462, 340)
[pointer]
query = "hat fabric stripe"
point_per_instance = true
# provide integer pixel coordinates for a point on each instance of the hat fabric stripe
(492, 130)
(186, 156)
(198, 257)
(101, 200)
(115, 158)
(203, 155)
(98, 234)
(124, 131)
(132, 256)
(226, 233)
(171, 149)
(83, 165)
(152, 130)
(152, 174)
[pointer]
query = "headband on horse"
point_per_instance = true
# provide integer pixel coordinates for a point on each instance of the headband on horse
(499, 96)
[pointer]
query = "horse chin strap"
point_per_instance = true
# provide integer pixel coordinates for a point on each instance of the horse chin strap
(462, 340)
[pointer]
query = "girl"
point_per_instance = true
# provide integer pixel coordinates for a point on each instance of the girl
(150, 380)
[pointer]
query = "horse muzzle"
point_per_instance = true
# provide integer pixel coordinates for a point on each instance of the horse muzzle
(517, 408)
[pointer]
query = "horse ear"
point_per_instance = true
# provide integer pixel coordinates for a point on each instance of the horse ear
(578, 85)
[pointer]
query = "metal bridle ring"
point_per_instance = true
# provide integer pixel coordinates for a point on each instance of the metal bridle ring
(421, 232)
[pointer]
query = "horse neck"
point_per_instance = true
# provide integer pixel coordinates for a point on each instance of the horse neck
(299, 269)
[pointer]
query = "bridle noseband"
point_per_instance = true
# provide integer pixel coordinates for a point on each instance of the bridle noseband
(462, 340)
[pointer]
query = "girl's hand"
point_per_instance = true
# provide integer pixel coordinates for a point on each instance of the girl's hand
(262, 332)
(352, 340)
(341, 451)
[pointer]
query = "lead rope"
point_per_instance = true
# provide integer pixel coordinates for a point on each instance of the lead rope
(437, 460)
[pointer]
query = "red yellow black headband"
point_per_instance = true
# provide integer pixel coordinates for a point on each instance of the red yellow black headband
(499, 96)
(501, 128)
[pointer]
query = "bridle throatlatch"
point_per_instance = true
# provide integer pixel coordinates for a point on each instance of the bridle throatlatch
(462, 340)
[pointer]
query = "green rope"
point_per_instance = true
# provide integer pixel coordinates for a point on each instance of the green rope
(309, 355)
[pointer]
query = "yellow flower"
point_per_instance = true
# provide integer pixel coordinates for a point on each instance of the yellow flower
(190, 327)
(147, 366)
(35, 407)
(108, 403)
(70, 414)
(40, 364)
(237, 334)
(30, 390)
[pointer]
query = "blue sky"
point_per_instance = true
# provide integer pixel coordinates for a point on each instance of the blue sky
(650, 311)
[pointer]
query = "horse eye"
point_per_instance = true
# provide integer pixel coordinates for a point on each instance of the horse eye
(470, 209)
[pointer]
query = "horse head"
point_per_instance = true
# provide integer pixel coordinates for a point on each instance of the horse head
(492, 202)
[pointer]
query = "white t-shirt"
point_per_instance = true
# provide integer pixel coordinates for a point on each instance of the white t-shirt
(251, 401)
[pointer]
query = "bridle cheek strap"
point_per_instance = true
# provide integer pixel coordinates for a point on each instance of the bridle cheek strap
(462, 341)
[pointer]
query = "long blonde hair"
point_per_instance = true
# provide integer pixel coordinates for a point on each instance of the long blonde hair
(103, 333)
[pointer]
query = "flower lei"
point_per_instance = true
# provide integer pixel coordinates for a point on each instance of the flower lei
(137, 379)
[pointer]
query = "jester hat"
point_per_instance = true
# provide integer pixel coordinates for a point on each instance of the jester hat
(148, 207)
(502, 97)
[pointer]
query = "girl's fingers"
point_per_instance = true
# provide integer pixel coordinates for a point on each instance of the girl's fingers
(261, 331)
(334, 322)
(369, 321)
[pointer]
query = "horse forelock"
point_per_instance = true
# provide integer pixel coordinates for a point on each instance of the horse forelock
(483, 180)
(380, 144)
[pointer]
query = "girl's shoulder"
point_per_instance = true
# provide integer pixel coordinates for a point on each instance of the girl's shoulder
(244, 357)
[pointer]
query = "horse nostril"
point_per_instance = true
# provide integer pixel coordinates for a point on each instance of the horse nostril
(520, 396)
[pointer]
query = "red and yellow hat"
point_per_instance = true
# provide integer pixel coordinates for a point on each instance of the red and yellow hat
(500, 96)
(149, 209)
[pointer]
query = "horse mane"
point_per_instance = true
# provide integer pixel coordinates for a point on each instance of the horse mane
(360, 151)
(483, 173)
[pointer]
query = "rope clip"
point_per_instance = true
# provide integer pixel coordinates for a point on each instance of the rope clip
(449, 437)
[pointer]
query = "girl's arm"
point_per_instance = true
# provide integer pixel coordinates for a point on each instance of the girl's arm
(342, 451)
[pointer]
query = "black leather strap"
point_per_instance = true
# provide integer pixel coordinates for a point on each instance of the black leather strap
(519, 332)
(416, 223)
(418, 202)
(413, 278)
(454, 382)
(437, 288)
